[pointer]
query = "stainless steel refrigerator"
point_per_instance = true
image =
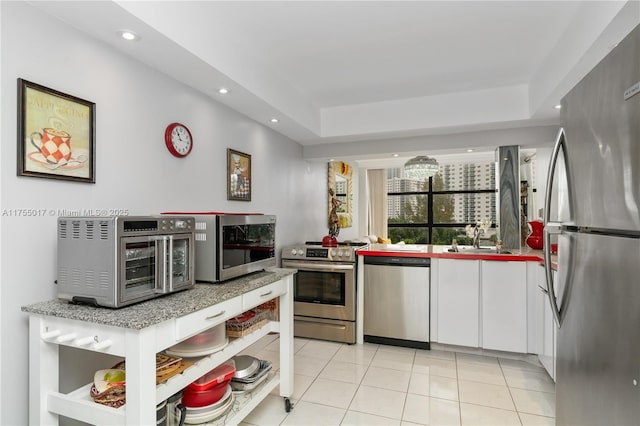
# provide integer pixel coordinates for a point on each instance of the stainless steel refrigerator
(596, 222)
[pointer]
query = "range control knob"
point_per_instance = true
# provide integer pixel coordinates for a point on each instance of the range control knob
(293, 252)
(333, 252)
(300, 252)
(347, 253)
(339, 253)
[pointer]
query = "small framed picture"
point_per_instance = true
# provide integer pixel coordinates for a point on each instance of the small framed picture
(56, 134)
(238, 176)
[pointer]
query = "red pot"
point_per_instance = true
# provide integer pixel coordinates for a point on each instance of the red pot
(329, 241)
(535, 239)
(209, 388)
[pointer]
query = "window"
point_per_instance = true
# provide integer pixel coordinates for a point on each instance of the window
(436, 210)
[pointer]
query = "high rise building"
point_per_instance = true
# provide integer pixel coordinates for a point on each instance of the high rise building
(468, 208)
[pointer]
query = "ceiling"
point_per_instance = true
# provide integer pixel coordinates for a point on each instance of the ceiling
(348, 73)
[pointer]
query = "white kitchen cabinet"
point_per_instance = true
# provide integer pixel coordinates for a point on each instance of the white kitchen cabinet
(535, 301)
(549, 333)
(504, 306)
(137, 333)
(458, 294)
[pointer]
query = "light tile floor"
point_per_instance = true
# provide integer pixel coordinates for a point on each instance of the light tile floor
(339, 384)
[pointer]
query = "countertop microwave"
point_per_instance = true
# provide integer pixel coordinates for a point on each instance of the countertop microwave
(231, 245)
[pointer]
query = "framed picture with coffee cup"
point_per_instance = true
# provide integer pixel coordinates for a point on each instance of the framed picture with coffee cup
(56, 134)
(238, 176)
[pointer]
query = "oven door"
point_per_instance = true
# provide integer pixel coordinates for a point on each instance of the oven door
(324, 290)
(141, 266)
(179, 250)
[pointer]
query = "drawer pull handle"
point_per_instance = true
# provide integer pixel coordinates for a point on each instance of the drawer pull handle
(267, 293)
(219, 314)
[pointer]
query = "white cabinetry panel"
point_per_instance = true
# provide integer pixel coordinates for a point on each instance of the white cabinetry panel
(536, 298)
(458, 302)
(548, 355)
(504, 306)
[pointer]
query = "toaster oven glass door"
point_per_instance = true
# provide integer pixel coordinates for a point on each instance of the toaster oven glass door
(141, 260)
(179, 253)
(142, 266)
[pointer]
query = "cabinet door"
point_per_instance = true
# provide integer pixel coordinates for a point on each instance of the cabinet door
(504, 306)
(548, 355)
(536, 299)
(458, 302)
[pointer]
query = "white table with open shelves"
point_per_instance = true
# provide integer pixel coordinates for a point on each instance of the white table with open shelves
(138, 332)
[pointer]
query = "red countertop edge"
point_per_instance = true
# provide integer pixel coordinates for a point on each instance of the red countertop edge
(529, 256)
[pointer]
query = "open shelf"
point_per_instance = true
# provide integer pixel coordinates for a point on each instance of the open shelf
(78, 404)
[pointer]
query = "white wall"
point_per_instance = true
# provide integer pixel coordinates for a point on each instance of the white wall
(134, 170)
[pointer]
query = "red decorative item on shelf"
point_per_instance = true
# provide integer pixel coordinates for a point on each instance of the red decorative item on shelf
(329, 241)
(536, 237)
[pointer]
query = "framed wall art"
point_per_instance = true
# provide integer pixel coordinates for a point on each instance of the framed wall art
(56, 134)
(238, 176)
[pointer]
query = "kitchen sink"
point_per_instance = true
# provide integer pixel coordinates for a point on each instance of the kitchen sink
(481, 250)
(484, 250)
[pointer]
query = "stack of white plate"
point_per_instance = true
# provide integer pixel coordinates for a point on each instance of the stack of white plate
(202, 344)
(211, 412)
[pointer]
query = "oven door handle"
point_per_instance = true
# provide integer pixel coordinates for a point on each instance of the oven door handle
(312, 266)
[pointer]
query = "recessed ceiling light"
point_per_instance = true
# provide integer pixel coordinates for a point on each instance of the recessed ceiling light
(274, 120)
(395, 155)
(223, 91)
(128, 35)
(558, 106)
(331, 160)
(469, 150)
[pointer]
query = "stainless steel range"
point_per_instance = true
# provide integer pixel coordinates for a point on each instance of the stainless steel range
(324, 290)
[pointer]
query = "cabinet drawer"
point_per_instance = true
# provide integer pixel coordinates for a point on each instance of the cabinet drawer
(201, 320)
(261, 295)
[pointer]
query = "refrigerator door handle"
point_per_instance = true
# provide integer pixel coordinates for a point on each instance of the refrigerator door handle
(552, 228)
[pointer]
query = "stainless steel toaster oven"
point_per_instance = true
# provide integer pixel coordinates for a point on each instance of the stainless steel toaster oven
(119, 260)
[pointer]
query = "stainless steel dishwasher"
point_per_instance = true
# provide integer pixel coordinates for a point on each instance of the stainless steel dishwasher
(396, 301)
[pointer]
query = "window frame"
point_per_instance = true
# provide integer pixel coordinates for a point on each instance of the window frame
(429, 225)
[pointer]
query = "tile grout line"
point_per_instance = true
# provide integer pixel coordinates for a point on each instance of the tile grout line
(359, 384)
(509, 389)
(406, 394)
(455, 357)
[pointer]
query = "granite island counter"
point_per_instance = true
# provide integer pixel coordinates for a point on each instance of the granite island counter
(137, 332)
(160, 309)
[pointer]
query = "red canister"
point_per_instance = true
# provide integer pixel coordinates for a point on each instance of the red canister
(535, 238)
(209, 388)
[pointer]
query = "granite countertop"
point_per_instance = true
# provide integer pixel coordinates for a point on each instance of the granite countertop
(155, 311)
